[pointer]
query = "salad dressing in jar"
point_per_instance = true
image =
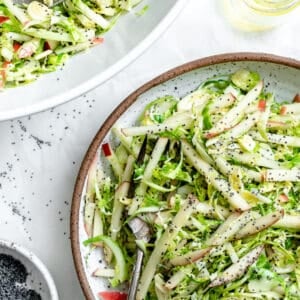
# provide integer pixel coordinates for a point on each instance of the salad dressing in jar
(259, 15)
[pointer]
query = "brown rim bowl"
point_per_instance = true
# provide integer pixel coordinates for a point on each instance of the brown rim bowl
(121, 108)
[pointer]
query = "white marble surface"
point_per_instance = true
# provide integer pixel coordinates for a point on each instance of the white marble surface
(41, 154)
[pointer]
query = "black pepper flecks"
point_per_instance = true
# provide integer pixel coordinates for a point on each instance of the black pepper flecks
(13, 275)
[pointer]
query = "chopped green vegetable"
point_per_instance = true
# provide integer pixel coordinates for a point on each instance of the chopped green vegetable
(142, 11)
(120, 267)
(245, 79)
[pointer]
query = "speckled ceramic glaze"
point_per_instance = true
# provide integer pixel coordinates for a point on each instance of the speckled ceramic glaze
(123, 43)
(39, 278)
(281, 76)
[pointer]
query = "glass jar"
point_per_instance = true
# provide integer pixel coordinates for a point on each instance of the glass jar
(259, 15)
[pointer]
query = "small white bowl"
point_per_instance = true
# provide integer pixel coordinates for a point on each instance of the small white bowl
(39, 278)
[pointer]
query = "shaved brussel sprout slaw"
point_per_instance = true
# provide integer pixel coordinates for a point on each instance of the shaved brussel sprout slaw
(218, 185)
(38, 38)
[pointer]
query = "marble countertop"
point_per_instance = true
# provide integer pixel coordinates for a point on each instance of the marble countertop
(41, 154)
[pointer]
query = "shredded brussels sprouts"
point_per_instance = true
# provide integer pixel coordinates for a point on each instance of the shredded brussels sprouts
(38, 38)
(217, 180)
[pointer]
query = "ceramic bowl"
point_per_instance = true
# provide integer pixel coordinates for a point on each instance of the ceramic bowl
(39, 278)
(281, 76)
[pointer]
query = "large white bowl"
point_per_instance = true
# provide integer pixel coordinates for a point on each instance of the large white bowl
(127, 40)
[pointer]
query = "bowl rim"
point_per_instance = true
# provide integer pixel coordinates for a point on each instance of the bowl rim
(97, 80)
(116, 114)
(15, 247)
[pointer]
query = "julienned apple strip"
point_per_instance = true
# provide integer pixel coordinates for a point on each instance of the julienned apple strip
(213, 177)
(163, 243)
